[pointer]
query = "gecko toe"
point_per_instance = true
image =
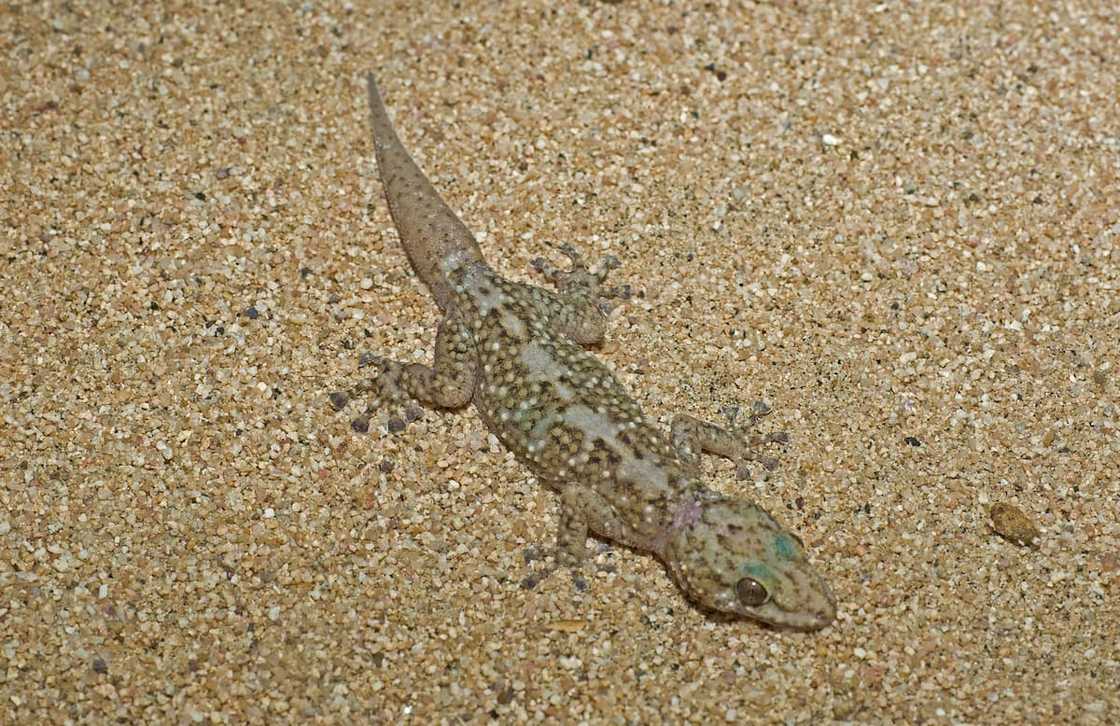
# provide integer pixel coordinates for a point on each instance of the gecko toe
(778, 437)
(617, 292)
(339, 399)
(574, 257)
(552, 560)
(530, 582)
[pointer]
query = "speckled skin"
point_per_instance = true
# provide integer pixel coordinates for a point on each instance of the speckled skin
(516, 352)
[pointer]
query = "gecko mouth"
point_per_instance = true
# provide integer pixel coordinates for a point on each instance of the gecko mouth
(802, 616)
(803, 620)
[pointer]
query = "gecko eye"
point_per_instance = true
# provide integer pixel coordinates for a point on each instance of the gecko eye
(751, 592)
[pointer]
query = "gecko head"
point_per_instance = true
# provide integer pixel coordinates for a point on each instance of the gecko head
(734, 558)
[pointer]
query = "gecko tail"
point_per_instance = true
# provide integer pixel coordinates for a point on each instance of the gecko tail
(434, 238)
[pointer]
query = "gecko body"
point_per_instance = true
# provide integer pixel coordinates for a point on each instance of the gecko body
(517, 353)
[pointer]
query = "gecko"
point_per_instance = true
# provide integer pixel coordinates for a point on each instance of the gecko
(519, 354)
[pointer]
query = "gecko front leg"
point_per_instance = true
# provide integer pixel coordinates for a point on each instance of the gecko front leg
(447, 383)
(579, 508)
(691, 436)
(583, 302)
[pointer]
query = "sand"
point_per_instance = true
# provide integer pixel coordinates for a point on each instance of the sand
(898, 224)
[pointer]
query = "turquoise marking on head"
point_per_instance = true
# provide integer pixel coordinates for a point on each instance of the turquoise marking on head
(758, 571)
(785, 547)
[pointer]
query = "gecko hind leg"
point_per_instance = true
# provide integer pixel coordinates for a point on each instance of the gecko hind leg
(691, 436)
(584, 302)
(397, 387)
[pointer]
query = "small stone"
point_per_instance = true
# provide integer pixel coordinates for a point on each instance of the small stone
(1012, 524)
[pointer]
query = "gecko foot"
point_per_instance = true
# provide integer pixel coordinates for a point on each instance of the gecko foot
(383, 392)
(555, 559)
(579, 280)
(752, 440)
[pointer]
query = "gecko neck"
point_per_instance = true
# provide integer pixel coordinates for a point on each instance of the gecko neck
(684, 513)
